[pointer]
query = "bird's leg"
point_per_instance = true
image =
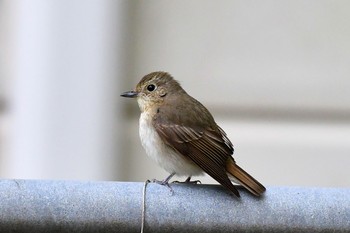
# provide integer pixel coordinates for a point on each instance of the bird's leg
(188, 181)
(165, 181)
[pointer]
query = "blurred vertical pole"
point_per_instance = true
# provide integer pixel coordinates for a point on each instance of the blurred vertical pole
(66, 61)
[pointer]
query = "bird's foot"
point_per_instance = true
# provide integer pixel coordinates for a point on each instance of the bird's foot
(187, 181)
(165, 182)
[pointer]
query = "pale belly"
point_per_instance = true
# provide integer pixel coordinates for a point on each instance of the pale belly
(164, 156)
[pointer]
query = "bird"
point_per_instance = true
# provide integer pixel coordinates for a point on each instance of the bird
(182, 137)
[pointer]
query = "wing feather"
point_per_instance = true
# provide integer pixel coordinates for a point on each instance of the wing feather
(208, 148)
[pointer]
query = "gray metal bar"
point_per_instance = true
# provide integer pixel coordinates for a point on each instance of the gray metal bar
(74, 206)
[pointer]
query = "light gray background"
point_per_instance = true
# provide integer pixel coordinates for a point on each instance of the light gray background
(275, 75)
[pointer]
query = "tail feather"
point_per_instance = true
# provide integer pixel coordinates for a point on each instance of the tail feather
(238, 175)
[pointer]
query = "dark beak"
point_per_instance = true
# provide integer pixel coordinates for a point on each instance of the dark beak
(130, 94)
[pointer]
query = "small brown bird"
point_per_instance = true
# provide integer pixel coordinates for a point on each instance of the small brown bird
(180, 134)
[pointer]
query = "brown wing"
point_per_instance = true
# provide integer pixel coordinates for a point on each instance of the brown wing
(208, 148)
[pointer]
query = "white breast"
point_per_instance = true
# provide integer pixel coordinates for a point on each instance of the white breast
(166, 157)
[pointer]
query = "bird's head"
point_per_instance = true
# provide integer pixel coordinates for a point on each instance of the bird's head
(152, 90)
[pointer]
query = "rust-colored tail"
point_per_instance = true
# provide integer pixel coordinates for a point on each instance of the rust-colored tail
(238, 175)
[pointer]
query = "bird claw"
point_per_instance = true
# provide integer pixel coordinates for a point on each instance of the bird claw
(187, 181)
(164, 183)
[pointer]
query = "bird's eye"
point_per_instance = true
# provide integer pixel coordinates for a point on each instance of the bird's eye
(151, 87)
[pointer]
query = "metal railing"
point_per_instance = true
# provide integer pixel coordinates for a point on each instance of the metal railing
(76, 206)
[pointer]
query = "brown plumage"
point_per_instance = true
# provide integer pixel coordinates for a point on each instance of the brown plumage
(187, 129)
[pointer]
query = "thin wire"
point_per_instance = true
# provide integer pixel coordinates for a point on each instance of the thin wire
(143, 210)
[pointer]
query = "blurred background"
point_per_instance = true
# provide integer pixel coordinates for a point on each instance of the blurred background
(275, 75)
